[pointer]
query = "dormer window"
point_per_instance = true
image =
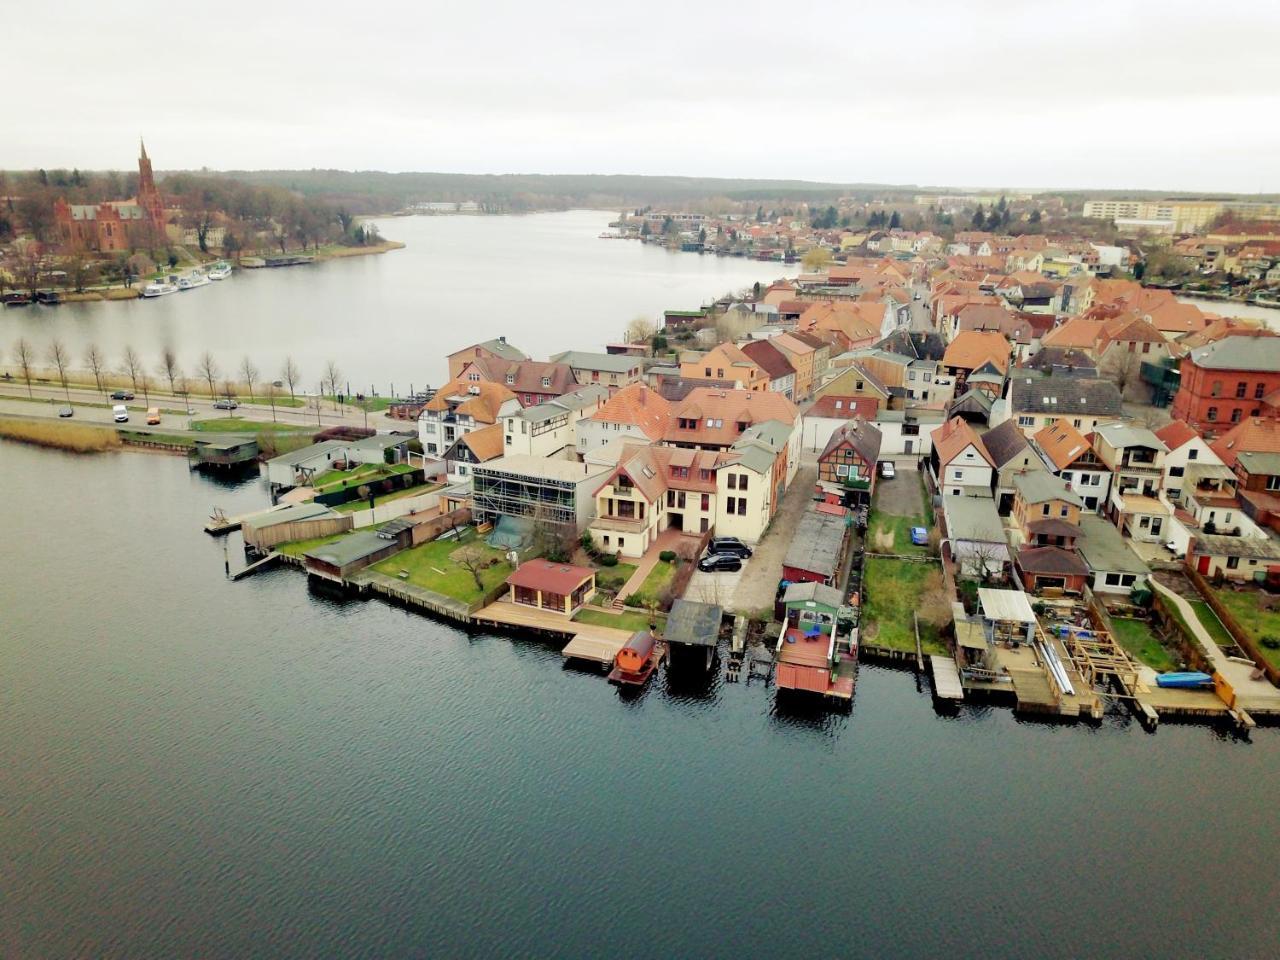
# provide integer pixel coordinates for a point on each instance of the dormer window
(473, 377)
(546, 381)
(511, 378)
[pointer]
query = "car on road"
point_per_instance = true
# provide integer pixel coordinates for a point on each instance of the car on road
(887, 469)
(225, 405)
(714, 562)
(153, 416)
(66, 412)
(120, 413)
(122, 395)
(729, 545)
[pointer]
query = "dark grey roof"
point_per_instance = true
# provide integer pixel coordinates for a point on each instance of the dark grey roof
(973, 402)
(355, 546)
(1064, 396)
(1061, 361)
(1105, 550)
(815, 545)
(676, 389)
(861, 435)
(1260, 354)
(919, 345)
(1250, 548)
(693, 623)
(1005, 442)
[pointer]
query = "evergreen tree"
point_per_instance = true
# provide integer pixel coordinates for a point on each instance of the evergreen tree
(895, 221)
(1002, 204)
(979, 218)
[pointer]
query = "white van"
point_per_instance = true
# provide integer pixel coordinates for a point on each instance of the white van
(120, 412)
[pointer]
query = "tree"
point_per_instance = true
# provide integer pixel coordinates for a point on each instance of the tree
(640, 330)
(61, 359)
(131, 366)
(169, 367)
(25, 355)
(289, 374)
(333, 376)
(271, 398)
(144, 384)
(229, 391)
(208, 370)
(816, 259)
(97, 363)
(979, 218)
(473, 561)
(249, 373)
(895, 221)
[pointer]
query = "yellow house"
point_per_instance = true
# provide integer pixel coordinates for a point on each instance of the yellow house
(555, 587)
(725, 362)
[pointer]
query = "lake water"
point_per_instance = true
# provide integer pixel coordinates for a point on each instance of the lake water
(545, 281)
(193, 768)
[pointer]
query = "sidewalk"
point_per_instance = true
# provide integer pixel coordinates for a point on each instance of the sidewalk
(669, 539)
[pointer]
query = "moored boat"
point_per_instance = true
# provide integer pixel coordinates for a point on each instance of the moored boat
(220, 271)
(1191, 679)
(190, 282)
(158, 288)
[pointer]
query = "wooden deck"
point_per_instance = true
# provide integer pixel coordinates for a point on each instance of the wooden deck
(586, 641)
(946, 678)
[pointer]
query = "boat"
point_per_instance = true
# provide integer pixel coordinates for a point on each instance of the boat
(15, 299)
(1186, 680)
(48, 297)
(220, 271)
(196, 279)
(158, 288)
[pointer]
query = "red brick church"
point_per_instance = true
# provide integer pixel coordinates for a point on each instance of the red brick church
(115, 225)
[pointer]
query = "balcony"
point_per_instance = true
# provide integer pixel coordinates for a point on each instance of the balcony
(619, 524)
(621, 491)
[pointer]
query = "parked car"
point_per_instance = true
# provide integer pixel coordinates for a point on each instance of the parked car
(887, 469)
(153, 416)
(225, 405)
(122, 395)
(728, 545)
(66, 412)
(120, 413)
(713, 562)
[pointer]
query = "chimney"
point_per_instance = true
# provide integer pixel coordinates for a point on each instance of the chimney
(502, 339)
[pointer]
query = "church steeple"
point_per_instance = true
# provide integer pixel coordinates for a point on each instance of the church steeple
(143, 147)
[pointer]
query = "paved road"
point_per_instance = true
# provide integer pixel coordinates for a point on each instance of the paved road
(759, 581)
(13, 399)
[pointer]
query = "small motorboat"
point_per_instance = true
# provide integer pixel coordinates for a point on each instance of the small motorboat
(220, 271)
(1186, 680)
(159, 288)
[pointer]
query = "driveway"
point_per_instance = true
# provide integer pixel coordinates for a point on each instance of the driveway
(901, 496)
(758, 582)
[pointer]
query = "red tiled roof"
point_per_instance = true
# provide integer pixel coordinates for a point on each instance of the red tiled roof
(1175, 433)
(953, 436)
(844, 408)
(637, 405)
(561, 578)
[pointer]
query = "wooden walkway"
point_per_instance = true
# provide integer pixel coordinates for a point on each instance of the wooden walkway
(586, 640)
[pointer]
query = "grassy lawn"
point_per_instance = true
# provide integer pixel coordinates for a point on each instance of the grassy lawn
(612, 578)
(1137, 637)
(629, 620)
(368, 404)
(882, 525)
(1209, 620)
(332, 480)
(894, 590)
(280, 402)
(241, 425)
(431, 566)
(1260, 623)
(353, 505)
(657, 580)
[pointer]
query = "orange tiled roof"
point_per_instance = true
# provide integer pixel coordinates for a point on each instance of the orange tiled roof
(1061, 442)
(485, 443)
(953, 436)
(1254, 435)
(726, 409)
(483, 399)
(1175, 433)
(638, 406)
(972, 348)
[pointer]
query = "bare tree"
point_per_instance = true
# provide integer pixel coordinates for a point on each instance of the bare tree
(473, 561)
(131, 366)
(97, 363)
(289, 374)
(144, 384)
(61, 359)
(333, 376)
(25, 354)
(249, 373)
(640, 330)
(271, 399)
(169, 367)
(314, 402)
(228, 388)
(208, 370)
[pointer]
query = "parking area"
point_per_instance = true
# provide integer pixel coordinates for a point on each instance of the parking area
(901, 496)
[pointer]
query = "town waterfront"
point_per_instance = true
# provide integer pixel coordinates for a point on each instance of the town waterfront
(545, 281)
(200, 768)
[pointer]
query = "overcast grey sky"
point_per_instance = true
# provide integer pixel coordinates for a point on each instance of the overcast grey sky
(1159, 95)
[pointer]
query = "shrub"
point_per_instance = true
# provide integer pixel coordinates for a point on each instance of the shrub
(608, 560)
(668, 556)
(1271, 642)
(635, 600)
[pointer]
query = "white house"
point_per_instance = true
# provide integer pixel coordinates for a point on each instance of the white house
(961, 464)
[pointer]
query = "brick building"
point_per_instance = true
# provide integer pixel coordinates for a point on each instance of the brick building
(115, 225)
(1225, 382)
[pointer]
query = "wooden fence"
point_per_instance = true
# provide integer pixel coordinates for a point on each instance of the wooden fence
(1242, 637)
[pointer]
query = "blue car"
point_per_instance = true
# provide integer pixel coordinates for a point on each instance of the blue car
(920, 536)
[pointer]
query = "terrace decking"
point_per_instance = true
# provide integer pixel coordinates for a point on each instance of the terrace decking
(586, 641)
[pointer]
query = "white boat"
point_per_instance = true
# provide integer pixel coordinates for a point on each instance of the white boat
(220, 271)
(191, 282)
(158, 288)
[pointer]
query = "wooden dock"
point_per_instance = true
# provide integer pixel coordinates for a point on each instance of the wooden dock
(587, 641)
(270, 559)
(946, 678)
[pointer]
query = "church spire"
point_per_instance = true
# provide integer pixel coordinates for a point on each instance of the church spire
(143, 147)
